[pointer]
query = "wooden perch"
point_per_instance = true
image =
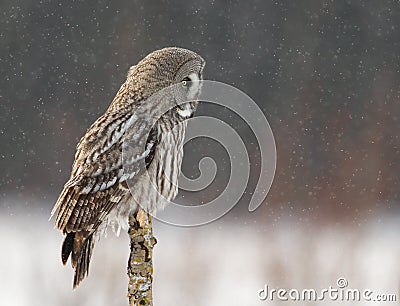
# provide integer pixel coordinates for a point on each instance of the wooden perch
(140, 265)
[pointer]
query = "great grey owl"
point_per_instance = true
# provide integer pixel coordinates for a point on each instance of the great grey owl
(97, 193)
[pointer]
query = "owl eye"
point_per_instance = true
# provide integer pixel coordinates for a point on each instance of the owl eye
(185, 81)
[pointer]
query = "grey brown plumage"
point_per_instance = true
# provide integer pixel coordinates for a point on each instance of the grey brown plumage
(97, 194)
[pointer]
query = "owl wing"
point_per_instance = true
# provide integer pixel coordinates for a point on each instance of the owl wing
(99, 176)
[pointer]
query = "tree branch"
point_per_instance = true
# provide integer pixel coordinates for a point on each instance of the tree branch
(140, 265)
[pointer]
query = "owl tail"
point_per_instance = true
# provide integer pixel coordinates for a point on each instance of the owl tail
(81, 248)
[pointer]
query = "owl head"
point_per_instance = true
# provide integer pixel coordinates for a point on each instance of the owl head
(172, 72)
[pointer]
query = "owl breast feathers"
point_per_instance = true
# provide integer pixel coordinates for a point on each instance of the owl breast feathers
(131, 155)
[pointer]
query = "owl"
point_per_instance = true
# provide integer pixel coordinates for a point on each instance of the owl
(131, 155)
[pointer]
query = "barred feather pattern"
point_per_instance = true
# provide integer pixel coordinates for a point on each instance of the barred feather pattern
(97, 195)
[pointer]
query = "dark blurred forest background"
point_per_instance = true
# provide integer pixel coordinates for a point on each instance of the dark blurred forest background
(325, 73)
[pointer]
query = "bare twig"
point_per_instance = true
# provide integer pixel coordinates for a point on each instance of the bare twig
(140, 265)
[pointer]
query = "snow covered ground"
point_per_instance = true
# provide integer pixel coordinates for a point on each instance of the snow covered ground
(219, 264)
